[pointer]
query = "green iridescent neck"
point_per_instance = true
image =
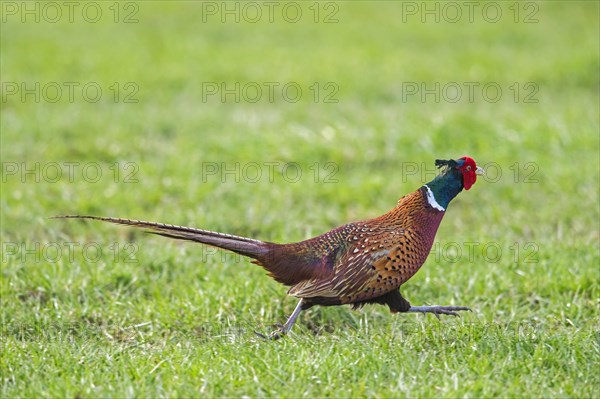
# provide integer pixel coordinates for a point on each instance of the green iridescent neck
(445, 187)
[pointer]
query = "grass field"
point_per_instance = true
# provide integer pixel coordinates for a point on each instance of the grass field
(243, 121)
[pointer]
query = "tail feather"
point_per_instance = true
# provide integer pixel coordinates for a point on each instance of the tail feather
(244, 246)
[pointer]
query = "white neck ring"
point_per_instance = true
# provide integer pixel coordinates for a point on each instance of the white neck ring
(431, 200)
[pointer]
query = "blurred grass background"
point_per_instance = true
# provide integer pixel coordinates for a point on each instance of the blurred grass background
(373, 132)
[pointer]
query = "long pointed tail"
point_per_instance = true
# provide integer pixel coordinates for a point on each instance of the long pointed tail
(244, 246)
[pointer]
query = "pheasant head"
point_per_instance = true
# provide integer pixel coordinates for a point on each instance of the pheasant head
(456, 175)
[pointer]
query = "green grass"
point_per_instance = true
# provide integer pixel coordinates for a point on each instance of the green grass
(177, 319)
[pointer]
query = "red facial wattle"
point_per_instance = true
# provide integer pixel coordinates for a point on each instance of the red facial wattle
(468, 169)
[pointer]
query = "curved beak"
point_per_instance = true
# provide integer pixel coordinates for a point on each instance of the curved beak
(479, 171)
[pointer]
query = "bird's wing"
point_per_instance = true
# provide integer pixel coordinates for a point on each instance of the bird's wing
(355, 277)
(366, 272)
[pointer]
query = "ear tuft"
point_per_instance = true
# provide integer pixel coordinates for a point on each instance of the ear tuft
(451, 163)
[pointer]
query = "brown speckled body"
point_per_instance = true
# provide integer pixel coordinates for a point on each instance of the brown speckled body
(359, 262)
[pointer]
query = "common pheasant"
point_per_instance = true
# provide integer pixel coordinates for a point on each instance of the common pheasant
(358, 263)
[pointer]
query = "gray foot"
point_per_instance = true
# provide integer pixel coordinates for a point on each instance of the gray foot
(275, 335)
(283, 329)
(438, 310)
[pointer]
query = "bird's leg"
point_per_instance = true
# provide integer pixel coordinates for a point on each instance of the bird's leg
(438, 310)
(284, 328)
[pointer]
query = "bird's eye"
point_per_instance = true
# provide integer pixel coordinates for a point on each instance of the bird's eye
(468, 168)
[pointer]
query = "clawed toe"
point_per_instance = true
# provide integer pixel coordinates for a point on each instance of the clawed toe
(282, 329)
(438, 310)
(450, 310)
(275, 335)
(447, 312)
